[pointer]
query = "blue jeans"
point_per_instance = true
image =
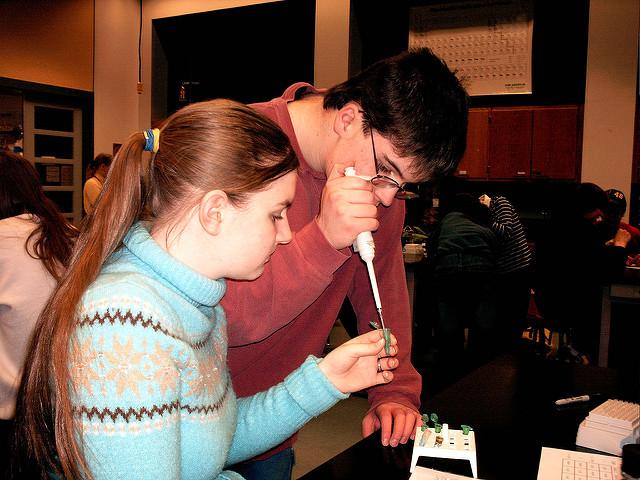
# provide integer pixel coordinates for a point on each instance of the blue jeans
(276, 467)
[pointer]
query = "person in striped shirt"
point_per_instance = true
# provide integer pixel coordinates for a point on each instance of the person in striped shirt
(513, 264)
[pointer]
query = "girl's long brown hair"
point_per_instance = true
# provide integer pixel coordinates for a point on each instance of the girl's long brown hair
(218, 144)
(20, 192)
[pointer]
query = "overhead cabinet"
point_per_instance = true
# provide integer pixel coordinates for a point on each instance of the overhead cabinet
(474, 163)
(509, 143)
(523, 143)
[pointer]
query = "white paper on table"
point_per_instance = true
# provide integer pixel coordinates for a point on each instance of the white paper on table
(421, 473)
(557, 464)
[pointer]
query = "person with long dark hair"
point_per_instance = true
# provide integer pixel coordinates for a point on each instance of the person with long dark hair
(96, 173)
(35, 246)
(126, 375)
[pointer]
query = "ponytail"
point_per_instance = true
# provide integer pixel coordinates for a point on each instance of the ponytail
(45, 386)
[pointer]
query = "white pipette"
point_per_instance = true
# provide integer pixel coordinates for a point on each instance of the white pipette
(367, 249)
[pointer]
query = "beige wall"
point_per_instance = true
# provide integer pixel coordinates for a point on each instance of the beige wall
(171, 8)
(47, 42)
(610, 96)
(116, 72)
(332, 42)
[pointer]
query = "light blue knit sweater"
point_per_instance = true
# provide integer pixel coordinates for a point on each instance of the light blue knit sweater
(152, 390)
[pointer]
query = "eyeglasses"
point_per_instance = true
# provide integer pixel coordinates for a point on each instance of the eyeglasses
(383, 181)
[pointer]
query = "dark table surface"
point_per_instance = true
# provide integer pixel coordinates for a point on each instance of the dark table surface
(509, 402)
(631, 275)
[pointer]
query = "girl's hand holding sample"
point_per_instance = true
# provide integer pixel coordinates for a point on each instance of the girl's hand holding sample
(360, 363)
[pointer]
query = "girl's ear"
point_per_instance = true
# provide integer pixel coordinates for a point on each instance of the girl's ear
(348, 120)
(210, 210)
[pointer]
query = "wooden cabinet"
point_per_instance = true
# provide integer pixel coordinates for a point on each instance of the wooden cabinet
(635, 175)
(510, 143)
(474, 161)
(523, 142)
(555, 142)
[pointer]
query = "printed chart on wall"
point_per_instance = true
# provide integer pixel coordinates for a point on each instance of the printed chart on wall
(487, 42)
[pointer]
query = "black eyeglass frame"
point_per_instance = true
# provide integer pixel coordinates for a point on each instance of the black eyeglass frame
(384, 181)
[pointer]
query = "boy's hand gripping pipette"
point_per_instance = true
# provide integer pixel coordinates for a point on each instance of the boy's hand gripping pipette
(366, 248)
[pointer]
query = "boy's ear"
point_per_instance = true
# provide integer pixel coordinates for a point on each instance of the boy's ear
(348, 120)
(210, 211)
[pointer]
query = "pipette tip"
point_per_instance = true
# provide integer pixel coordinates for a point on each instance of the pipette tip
(381, 318)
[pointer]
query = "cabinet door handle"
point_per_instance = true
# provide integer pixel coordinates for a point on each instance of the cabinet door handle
(520, 173)
(462, 172)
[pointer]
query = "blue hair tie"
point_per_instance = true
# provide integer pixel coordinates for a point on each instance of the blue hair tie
(152, 140)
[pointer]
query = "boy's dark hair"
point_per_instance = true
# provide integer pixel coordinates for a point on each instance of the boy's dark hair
(414, 101)
(588, 197)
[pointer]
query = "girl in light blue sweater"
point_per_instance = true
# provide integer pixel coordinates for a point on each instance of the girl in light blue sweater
(126, 375)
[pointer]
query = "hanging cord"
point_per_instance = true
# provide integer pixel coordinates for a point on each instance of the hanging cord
(140, 46)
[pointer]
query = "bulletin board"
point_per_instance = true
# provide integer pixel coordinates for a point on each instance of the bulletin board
(487, 43)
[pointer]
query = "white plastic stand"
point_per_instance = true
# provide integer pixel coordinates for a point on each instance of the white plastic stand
(454, 445)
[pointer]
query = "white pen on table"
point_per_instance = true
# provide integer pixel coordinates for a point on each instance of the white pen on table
(578, 399)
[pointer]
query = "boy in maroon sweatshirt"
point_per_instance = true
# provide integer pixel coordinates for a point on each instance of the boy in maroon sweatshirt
(404, 119)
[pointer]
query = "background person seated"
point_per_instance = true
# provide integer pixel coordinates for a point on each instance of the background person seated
(464, 268)
(573, 262)
(513, 262)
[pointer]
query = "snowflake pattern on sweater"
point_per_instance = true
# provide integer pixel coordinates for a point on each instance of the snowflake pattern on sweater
(150, 388)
